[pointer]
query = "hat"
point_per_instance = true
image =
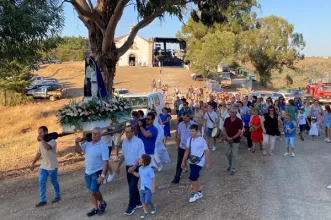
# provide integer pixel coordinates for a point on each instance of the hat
(313, 118)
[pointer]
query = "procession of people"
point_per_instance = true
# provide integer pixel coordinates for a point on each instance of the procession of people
(202, 124)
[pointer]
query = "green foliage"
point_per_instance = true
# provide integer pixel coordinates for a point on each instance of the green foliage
(210, 44)
(214, 48)
(211, 12)
(25, 25)
(13, 81)
(270, 46)
(27, 28)
(70, 49)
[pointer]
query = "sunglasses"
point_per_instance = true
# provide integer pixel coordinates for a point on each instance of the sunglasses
(95, 134)
(149, 119)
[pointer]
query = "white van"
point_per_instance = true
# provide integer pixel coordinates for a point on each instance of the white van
(145, 101)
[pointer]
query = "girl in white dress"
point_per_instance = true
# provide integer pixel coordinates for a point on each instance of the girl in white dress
(314, 128)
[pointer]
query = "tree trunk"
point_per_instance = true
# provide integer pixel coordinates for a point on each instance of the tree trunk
(263, 80)
(106, 62)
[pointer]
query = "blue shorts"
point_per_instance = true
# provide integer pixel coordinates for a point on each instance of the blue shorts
(327, 124)
(289, 142)
(209, 131)
(91, 181)
(195, 172)
(302, 128)
(146, 196)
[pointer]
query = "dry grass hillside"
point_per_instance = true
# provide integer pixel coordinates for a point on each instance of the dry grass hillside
(18, 142)
(311, 67)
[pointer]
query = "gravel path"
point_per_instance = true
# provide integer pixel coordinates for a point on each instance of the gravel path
(265, 187)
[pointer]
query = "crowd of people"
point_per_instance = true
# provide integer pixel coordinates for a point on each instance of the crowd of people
(200, 125)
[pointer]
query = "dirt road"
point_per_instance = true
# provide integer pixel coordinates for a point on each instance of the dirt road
(265, 187)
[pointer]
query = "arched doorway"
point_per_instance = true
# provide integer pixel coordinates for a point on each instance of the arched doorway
(132, 60)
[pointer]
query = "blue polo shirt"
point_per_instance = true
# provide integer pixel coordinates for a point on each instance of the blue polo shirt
(95, 155)
(149, 142)
(146, 177)
(181, 112)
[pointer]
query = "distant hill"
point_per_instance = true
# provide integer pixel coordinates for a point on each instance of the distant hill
(309, 68)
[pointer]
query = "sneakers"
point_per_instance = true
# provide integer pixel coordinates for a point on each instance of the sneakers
(41, 204)
(249, 148)
(111, 177)
(144, 215)
(92, 212)
(116, 159)
(129, 212)
(228, 169)
(233, 172)
(271, 154)
(292, 154)
(213, 148)
(160, 168)
(200, 195)
(102, 208)
(194, 197)
(138, 206)
(55, 200)
(286, 154)
(153, 209)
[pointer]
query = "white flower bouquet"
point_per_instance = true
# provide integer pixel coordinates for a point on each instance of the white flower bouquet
(77, 116)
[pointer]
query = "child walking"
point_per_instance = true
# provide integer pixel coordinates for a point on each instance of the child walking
(327, 122)
(289, 129)
(147, 184)
(302, 122)
(199, 154)
(313, 128)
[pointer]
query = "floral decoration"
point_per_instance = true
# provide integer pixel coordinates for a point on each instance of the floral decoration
(75, 113)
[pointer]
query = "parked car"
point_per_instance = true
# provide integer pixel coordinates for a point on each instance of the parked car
(120, 92)
(44, 93)
(226, 82)
(39, 80)
(58, 61)
(197, 77)
(212, 84)
(264, 95)
(287, 96)
(51, 86)
(252, 77)
(145, 100)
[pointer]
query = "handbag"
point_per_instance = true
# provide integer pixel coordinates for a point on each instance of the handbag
(192, 159)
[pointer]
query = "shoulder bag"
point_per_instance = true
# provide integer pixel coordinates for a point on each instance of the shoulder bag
(194, 159)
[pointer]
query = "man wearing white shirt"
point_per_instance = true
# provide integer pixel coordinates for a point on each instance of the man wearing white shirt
(132, 149)
(210, 119)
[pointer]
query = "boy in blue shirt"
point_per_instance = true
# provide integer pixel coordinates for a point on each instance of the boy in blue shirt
(147, 184)
(289, 129)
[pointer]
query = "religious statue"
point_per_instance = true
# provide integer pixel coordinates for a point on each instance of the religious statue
(93, 84)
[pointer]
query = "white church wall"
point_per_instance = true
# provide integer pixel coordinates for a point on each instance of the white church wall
(141, 52)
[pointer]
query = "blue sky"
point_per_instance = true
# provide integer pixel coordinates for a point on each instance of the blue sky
(312, 18)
